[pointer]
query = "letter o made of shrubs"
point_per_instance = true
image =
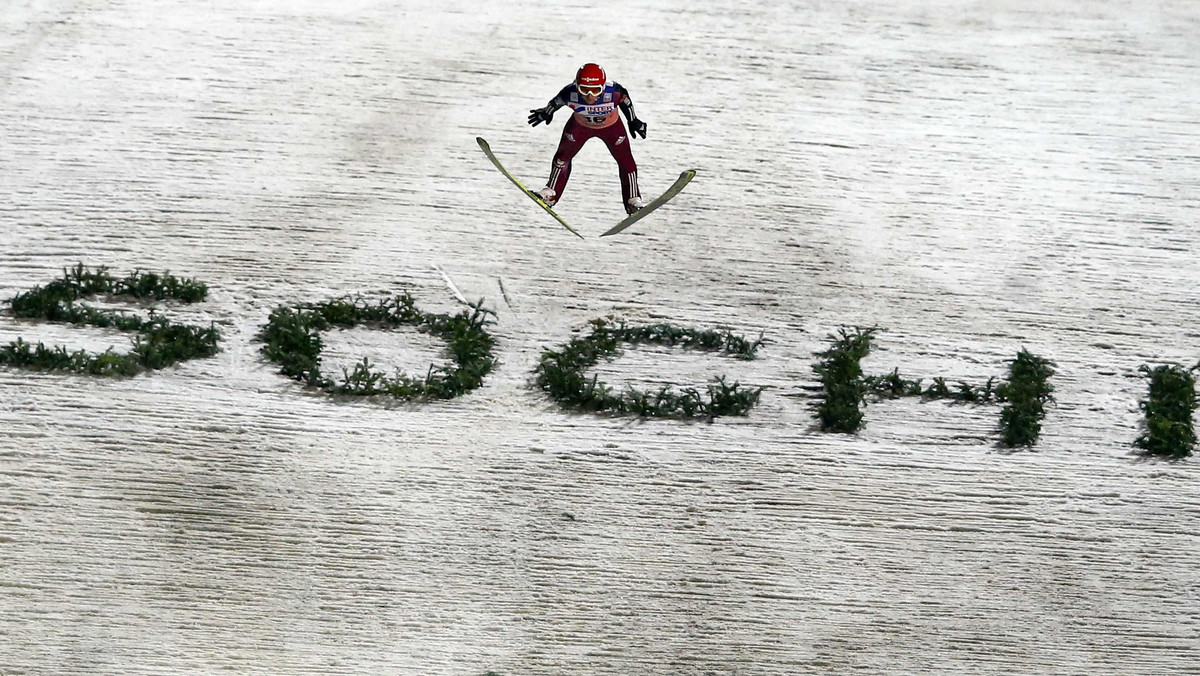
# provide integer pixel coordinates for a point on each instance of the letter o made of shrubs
(292, 339)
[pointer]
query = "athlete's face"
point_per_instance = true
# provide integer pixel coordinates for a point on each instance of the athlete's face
(590, 92)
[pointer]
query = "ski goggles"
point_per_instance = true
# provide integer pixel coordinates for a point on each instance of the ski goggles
(590, 90)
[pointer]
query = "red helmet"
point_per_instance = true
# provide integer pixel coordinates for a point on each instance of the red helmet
(590, 79)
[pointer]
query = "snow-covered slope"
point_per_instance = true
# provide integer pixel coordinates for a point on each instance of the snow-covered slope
(972, 177)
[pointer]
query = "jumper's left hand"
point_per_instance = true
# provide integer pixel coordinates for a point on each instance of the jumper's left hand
(637, 127)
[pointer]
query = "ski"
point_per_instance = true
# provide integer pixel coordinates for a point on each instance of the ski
(657, 202)
(487, 150)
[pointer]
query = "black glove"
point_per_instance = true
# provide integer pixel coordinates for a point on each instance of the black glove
(540, 115)
(637, 127)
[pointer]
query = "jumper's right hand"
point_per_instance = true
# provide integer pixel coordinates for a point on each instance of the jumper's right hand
(540, 115)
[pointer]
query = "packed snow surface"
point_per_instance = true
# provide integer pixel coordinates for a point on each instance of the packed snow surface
(973, 178)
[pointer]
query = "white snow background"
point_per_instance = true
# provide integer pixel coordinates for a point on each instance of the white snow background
(973, 177)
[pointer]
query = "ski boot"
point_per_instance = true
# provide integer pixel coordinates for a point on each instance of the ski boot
(547, 195)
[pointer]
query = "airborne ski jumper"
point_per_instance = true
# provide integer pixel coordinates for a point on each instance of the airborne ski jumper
(594, 101)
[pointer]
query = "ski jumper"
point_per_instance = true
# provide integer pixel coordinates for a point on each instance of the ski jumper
(595, 120)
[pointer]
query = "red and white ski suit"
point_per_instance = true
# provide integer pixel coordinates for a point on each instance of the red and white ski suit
(595, 120)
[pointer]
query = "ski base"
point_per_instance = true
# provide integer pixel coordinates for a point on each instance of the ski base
(487, 150)
(657, 202)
